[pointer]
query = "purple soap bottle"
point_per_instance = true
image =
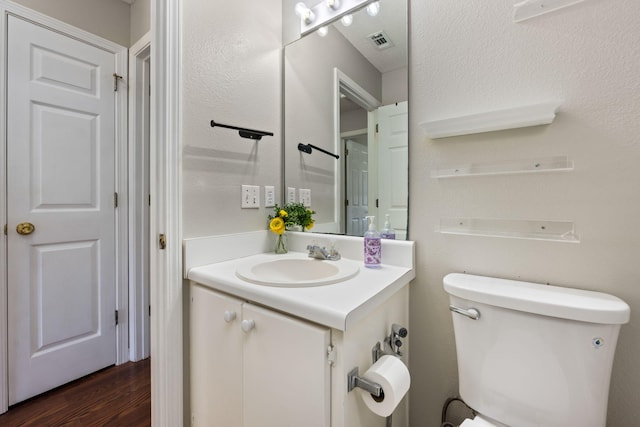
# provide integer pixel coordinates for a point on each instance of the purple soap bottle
(387, 232)
(372, 245)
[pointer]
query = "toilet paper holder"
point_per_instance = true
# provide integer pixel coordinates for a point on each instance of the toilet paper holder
(391, 346)
(353, 381)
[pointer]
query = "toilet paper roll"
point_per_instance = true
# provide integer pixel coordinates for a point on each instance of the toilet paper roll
(393, 376)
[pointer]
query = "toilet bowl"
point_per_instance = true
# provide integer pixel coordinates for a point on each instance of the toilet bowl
(533, 355)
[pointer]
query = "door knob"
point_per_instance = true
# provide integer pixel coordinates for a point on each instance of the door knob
(229, 316)
(25, 228)
(247, 325)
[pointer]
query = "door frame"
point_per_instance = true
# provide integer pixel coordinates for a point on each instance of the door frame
(167, 387)
(139, 88)
(7, 7)
(343, 83)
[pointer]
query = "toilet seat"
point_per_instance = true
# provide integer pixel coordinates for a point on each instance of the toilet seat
(479, 421)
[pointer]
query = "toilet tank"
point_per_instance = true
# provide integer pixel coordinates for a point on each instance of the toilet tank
(538, 355)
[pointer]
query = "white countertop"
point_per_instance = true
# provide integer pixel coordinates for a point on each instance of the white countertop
(337, 305)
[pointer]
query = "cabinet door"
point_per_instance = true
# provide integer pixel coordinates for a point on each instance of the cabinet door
(216, 359)
(286, 374)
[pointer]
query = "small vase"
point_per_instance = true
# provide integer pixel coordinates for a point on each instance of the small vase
(281, 244)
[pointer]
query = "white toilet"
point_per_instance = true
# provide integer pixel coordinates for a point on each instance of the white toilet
(533, 355)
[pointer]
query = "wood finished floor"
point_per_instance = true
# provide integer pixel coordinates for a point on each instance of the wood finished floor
(116, 396)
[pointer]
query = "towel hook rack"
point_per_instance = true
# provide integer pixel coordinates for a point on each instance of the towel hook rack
(244, 132)
(307, 148)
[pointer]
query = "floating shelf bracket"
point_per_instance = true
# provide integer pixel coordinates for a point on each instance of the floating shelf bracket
(244, 132)
(508, 118)
(308, 148)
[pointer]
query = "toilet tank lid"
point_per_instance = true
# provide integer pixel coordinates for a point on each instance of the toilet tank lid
(547, 300)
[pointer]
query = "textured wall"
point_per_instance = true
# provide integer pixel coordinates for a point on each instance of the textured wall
(140, 19)
(231, 73)
(471, 57)
(105, 18)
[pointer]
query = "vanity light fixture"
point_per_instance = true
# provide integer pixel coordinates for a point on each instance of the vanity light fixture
(306, 15)
(373, 9)
(327, 12)
(347, 20)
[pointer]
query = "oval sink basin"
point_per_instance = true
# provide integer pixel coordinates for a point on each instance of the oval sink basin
(297, 271)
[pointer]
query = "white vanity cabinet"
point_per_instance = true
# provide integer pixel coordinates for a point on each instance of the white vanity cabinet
(255, 367)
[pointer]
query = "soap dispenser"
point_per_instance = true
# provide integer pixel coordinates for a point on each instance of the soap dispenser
(387, 232)
(372, 245)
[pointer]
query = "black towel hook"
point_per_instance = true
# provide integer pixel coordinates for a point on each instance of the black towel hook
(244, 132)
(307, 148)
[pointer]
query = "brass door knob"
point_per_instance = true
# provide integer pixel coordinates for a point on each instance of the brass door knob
(25, 228)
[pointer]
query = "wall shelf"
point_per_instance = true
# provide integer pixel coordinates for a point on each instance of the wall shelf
(528, 9)
(509, 118)
(556, 231)
(547, 164)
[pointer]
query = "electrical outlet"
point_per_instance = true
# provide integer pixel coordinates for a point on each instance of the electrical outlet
(291, 195)
(269, 196)
(250, 197)
(305, 196)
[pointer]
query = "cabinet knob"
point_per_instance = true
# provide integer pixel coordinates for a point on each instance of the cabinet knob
(229, 316)
(247, 325)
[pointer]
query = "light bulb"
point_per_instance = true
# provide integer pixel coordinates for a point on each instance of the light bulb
(322, 31)
(373, 8)
(305, 13)
(333, 4)
(347, 20)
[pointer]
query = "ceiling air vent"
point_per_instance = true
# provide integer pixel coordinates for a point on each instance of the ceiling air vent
(380, 40)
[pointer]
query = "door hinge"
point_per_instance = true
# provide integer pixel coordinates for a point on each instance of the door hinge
(346, 202)
(346, 151)
(116, 317)
(376, 128)
(149, 199)
(116, 77)
(5, 229)
(115, 200)
(162, 241)
(149, 311)
(377, 203)
(331, 355)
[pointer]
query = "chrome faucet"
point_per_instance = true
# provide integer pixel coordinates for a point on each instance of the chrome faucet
(320, 252)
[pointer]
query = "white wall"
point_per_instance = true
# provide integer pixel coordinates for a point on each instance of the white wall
(140, 19)
(395, 86)
(470, 57)
(104, 18)
(232, 74)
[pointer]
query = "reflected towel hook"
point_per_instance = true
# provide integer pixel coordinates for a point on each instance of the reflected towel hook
(245, 133)
(307, 148)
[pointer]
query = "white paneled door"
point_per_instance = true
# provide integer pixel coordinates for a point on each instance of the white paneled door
(61, 180)
(393, 157)
(357, 181)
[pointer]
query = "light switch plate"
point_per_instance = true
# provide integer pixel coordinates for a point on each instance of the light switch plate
(305, 196)
(250, 197)
(269, 196)
(291, 195)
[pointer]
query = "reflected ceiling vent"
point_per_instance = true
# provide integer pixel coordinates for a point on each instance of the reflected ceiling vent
(380, 40)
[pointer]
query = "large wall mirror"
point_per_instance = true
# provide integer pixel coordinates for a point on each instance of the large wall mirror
(345, 95)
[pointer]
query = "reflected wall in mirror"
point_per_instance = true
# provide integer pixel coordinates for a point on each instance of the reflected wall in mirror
(346, 92)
